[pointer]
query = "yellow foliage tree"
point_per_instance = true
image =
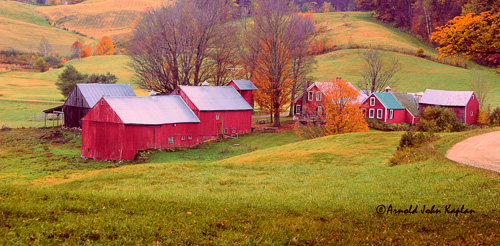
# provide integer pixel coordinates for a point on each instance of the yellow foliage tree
(105, 47)
(343, 114)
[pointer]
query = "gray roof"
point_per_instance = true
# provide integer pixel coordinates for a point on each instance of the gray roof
(245, 85)
(446, 98)
(216, 98)
(93, 92)
(407, 101)
(156, 110)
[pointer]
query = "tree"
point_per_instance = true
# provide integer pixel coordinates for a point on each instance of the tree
(473, 36)
(481, 89)
(76, 48)
(104, 47)
(70, 77)
(439, 119)
(270, 48)
(173, 45)
(41, 65)
(343, 114)
(86, 52)
(377, 73)
(45, 47)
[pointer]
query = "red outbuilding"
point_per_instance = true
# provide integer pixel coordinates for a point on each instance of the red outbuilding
(391, 107)
(463, 103)
(117, 127)
(221, 109)
(245, 88)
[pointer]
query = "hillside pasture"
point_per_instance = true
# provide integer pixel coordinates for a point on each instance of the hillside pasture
(98, 18)
(323, 191)
(15, 114)
(22, 28)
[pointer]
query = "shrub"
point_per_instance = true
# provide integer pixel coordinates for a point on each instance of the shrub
(495, 117)
(41, 65)
(412, 139)
(438, 119)
(420, 52)
(52, 61)
(309, 131)
(382, 126)
(483, 117)
(413, 147)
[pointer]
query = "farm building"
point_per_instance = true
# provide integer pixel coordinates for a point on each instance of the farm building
(245, 88)
(117, 127)
(221, 109)
(391, 107)
(311, 106)
(463, 103)
(85, 96)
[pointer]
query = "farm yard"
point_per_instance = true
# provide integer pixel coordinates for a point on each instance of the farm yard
(263, 188)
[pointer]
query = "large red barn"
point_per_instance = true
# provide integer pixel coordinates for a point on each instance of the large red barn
(463, 103)
(245, 88)
(221, 109)
(117, 127)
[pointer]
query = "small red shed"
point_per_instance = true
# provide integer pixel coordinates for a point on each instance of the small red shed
(391, 107)
(245, 88)
(221, 109)
(463, 103)
(117, 127)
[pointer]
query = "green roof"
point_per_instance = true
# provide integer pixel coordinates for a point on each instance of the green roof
(388, 100)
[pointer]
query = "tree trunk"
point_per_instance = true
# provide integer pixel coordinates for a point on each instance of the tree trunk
(277, 118)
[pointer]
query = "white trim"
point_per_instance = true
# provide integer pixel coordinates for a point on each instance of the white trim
(298, 109)
(391, 114)
(371, 113)
(381, 112)
(318, 96)
(372, 99)
(385, 116)
(310, 96)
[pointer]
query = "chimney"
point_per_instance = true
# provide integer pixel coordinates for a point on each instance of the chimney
(152, 93)
(388, 89)
(205, 83)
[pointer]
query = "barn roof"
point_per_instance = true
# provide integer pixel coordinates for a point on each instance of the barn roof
(216, 98)
(152, 110)
(446, 98)
(407, 101)
(245, 85)
(93, 92)
(388, 100)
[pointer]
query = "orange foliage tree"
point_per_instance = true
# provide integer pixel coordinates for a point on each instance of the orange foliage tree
(86, 52)
(343, 114)
(105, 47)
(474, 36)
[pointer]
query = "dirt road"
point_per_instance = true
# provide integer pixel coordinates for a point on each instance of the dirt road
(481, 151)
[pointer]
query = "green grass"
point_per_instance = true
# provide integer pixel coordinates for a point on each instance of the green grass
(22, 28)
(22, 114)
(320, 191)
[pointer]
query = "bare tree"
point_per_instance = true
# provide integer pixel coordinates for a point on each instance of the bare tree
(377, 73)
(480, 88)
(172, 44)
(45, 47)
(270, 48)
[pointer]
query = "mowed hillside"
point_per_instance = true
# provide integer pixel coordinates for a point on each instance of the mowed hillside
(21, 27)
(98, 18)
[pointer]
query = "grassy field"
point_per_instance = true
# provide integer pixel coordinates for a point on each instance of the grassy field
(22, 114)
(23, 28)
(98, 18)
(323, 191)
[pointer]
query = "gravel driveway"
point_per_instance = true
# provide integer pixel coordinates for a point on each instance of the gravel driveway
(481, 151)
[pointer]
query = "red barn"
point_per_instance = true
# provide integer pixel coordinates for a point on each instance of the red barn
(117, 127)
(391, 107)
(311, 106)
(245, 88)
(221, 109)
(463, 103)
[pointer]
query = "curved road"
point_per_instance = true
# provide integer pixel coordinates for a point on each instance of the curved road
(481, 151)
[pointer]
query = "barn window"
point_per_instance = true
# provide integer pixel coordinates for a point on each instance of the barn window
(318, 96)
(379, 113)
(204, 137)
(183, 137)
(472, 96)
(471, 113)
(88, 150)
(190, 137)
(234, 130)
(102, 102)
(225, 131)
(216, 117)
(372, 113)
(170, 139)
(298, 108)
(364, 112)
(310, 96)
(372, 101)
(319, 110)
(212, 137)
(391, 114)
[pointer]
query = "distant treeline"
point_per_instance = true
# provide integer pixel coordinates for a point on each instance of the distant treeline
(50, 2)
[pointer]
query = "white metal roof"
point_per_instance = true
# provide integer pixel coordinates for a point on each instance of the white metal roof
(93, 92)
(245, 85)
(216, 98)
(152, 110)
(446, 98)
